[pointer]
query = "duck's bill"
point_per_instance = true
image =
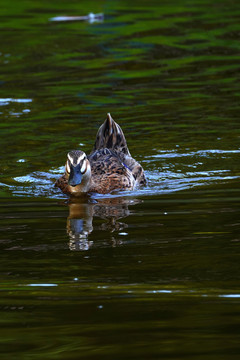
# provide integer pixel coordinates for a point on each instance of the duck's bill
(75, 176)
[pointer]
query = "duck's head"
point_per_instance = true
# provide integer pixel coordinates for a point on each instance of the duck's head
(78, 171)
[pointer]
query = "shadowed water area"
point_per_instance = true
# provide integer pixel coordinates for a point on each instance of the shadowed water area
(148, 274)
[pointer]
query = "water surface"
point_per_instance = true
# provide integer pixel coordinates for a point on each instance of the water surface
(152, 273)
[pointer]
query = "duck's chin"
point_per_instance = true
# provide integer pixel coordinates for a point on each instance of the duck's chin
(78, 190)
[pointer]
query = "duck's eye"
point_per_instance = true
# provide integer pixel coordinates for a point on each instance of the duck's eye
(67, 167)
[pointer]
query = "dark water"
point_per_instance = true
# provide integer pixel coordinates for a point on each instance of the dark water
(151, 274)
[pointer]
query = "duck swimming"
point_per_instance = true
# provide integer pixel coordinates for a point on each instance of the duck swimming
(109, 166)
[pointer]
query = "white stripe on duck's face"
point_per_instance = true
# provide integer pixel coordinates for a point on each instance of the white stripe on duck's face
(76, 156)
(84, 167)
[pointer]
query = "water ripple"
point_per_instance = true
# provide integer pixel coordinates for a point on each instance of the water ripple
(202, 153)
(162, 178)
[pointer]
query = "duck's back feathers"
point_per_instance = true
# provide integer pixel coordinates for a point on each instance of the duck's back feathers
(111, 136)
(109, 173)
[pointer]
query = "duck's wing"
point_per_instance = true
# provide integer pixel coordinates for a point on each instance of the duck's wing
(62, 183)
(111, 136)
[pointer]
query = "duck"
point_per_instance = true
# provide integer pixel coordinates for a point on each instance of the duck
(109, 167)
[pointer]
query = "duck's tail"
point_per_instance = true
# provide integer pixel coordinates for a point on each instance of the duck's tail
(111, 136)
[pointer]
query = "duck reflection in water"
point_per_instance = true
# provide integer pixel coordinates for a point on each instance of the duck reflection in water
(81, 215)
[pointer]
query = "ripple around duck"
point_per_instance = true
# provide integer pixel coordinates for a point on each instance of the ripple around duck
(200, 153)
(162, 178)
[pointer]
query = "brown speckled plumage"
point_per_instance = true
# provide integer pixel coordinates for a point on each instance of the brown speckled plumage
(111, 164)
